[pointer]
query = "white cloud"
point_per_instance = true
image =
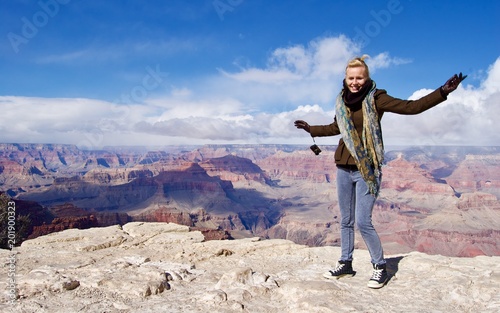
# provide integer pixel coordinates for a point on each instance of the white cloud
(384, 60)
(330, 56)
(105, 52)
(299, 74)
(468, 117)
(492, 83)
(253, 105)
(297, 59)
(277, 76)
(322, 59)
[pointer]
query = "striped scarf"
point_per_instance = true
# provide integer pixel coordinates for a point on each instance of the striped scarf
(367, 151)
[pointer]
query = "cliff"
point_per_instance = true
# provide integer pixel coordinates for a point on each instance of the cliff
(161, 267)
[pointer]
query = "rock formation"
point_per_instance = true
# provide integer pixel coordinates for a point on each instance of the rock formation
(435, 200)
(160, 267)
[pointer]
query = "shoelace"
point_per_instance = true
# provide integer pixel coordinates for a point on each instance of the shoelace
(339, 268)
(377, 274)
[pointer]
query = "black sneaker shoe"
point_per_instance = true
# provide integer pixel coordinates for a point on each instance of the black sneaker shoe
(379, 276)
(343, 269)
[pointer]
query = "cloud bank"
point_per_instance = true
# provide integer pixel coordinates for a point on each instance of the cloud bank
(253, 105)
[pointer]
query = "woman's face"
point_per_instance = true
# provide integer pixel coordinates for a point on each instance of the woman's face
(355, 78)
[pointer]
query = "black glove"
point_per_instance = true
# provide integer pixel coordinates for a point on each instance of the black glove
(452, 84)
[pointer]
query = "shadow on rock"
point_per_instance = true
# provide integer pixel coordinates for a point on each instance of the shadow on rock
(393, 265)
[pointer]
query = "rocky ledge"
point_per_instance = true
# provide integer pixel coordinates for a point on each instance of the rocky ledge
(165, 267)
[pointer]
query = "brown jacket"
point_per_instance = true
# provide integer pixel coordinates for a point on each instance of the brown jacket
(384, 103)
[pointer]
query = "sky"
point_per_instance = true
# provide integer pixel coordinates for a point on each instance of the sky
(154, 73)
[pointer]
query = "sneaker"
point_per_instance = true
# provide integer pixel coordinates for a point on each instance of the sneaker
(379, 276)
(344, 268)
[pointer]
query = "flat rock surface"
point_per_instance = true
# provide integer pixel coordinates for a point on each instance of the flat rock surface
(163, 267)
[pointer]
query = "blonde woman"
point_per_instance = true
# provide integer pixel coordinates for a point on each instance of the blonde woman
(359, 156)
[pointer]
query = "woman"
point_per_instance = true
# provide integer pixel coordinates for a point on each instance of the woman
(359, 157)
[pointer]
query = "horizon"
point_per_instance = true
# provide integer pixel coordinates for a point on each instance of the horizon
(96, 74)
(159, 147)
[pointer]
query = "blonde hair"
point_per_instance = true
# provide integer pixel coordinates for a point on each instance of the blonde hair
(359, 61)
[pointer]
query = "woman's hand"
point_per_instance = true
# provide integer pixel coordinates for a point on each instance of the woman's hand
(302, 125)
(452, 83)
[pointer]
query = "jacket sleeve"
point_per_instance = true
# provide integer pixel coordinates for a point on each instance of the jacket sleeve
(386, 103)
(325, 130)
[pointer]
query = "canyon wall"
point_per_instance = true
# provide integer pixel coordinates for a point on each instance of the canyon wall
(440, 201)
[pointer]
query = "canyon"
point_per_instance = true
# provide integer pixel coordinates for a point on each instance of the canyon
(437, 200)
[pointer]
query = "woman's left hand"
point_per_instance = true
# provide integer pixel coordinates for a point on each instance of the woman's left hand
(452, 83)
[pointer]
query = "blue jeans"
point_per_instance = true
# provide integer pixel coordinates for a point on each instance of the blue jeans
(356, 206)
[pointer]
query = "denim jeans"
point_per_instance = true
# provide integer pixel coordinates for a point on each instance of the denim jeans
(356, 206)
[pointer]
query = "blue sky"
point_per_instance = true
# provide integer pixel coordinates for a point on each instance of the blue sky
(97, 73)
